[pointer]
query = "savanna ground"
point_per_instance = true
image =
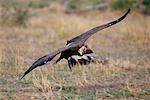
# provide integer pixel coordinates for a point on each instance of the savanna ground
(126, 46)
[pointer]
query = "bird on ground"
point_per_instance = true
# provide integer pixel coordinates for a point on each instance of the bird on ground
(87, 56)
(73, 46)
(86, 59)
(82, 51)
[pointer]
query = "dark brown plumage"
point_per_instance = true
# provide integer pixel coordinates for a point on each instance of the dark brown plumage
(73, 45)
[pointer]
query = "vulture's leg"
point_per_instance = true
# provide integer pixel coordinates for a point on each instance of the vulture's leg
(69, 64)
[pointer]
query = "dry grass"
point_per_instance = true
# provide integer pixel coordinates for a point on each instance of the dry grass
(126, 45)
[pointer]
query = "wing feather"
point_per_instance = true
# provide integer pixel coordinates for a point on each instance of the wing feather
(43, 60)
(84, 36)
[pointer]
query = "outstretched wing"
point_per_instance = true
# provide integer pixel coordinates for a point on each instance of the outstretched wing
(84, 36)
(43, 60)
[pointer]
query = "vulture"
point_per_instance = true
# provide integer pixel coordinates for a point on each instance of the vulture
(73, 46)
(85, 59)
